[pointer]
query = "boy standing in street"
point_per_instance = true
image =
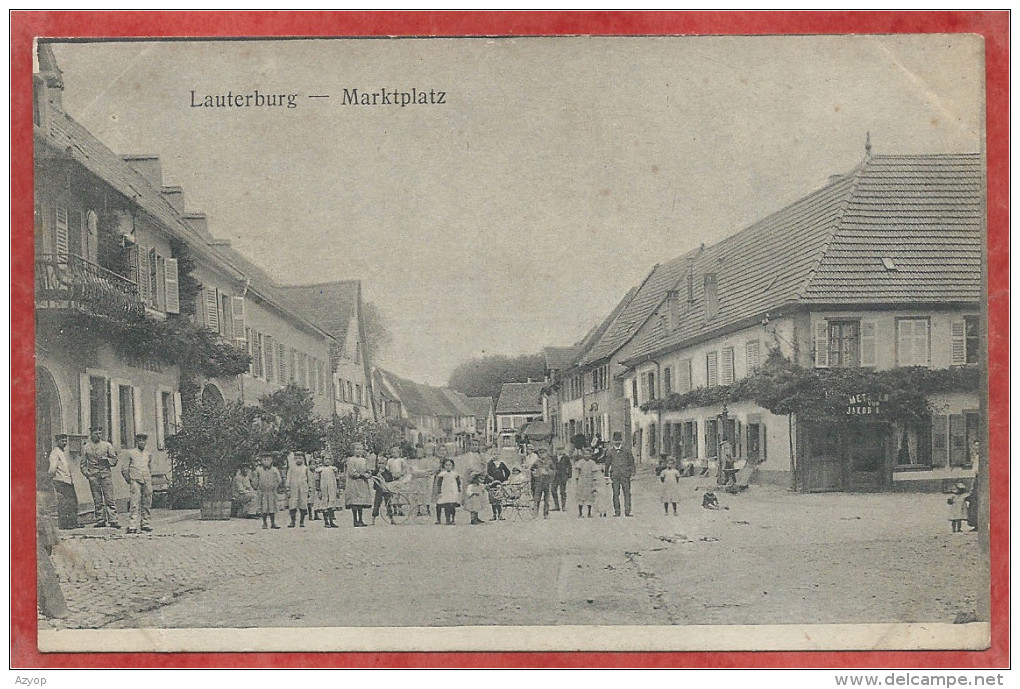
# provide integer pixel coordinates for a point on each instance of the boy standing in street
(60, 473)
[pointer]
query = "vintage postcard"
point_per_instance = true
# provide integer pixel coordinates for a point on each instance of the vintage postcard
(562, 343)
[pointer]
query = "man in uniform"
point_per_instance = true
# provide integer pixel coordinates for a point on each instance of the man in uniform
(60, 473)
(138, 475)
(621, 470)
(97, 461)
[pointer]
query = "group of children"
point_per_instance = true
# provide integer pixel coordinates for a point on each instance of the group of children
(308, 491)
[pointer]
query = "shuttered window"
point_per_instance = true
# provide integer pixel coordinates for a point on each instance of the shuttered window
(712, 369)
(912, 342)
(667, 381)
(62, 242)
(144, 278)
(268, 355)
(281, 356)
(211, 309)
(821, 340)
(173, 298)
(753, 354)
(726, 369)
(237, 317)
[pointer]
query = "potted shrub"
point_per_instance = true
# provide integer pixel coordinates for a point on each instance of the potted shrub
(215, 439)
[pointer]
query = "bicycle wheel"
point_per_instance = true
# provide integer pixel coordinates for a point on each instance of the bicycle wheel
(400, 508)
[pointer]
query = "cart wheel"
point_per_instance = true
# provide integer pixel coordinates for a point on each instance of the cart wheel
(400, 508)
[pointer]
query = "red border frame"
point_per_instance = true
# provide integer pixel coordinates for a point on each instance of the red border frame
(993, 26)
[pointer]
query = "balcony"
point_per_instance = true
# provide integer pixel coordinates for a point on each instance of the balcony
(71, 282)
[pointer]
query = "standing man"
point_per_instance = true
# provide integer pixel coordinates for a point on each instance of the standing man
(563, 468)
(541, 480)
(727, 472)
(60, 474)
(97, 461)
(138, 475)
(621, 470)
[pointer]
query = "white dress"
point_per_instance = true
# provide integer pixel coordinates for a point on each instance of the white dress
(449, 492)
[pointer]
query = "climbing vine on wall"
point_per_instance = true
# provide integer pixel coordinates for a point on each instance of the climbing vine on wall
(783, 387)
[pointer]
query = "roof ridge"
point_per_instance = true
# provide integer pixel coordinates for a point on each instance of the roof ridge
(322, 284)
(856, 176)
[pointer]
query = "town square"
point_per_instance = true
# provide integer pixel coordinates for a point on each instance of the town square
(708, 351)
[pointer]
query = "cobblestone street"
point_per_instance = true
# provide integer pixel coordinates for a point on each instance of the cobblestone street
(772, 557)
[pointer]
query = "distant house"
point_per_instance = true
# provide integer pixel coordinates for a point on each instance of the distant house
(485, 419)
(519, 403)
(433, 414)
(338, 308)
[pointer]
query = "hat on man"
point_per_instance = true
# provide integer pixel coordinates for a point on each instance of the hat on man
(96, 429)
(617, 435)
(60, 436)
(141, 436)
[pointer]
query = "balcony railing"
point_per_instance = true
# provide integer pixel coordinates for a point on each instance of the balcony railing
(71, 282)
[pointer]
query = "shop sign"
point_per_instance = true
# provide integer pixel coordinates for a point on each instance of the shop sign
(866, 403)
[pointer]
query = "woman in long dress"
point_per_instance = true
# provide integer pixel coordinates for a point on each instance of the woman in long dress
(586, 471)
(297, 488)
(358, 491)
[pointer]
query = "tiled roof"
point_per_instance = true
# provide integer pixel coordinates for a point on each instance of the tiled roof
(520, 398)
(589, 340)
(559, 358)
(481, 406)
(332, 304)
(426, 400)
(64, 133)
(921, 213)
(650, 294)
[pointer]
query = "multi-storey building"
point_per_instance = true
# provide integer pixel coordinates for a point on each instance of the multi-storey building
(518, 405)
(879, 269)
(338, 308)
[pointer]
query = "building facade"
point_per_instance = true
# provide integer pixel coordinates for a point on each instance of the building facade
(878, 271)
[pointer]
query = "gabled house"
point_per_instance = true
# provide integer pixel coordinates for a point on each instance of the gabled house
(518, 404)
(338, 308)
(485, 419)
(433, 414)
(878, 270)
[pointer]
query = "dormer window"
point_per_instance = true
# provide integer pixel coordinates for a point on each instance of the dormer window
(672, 310)
(711, 296)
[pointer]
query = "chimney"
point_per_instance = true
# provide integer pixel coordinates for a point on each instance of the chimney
(148, 166)
(174, 196)
(47, 85)
(199, 223)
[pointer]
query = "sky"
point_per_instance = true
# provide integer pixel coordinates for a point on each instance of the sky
(555, 175)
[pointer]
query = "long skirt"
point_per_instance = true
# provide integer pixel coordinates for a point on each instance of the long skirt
(358, 493)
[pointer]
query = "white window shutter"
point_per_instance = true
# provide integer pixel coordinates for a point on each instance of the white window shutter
(868, 343)
(237, 317)
(212, 311)
(132, 256)
(85, 404)
(178, 416)
(959, 332)
(62, 244)
(726, 376)
(160, 411)
(113, 392)
(173, 299)
(136, 405)
(144, 279)
(821, 337)
(712, 369)
(922, 355)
